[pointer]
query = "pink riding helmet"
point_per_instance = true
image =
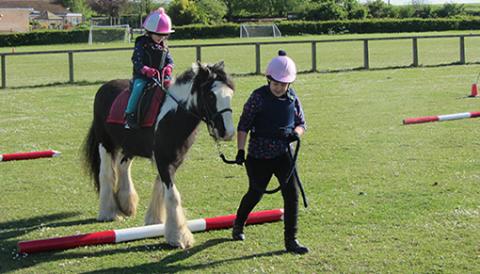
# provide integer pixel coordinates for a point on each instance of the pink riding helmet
(282, 68)
(158, 22)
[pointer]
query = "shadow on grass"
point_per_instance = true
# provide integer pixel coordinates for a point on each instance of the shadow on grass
(11, 230)
(172, 263)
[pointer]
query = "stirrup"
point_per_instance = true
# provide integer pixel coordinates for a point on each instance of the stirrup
(131, 121)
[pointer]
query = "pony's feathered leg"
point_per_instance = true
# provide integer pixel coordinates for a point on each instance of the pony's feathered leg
(156, 210)
(176, 230)
(107, 182)
(127, 197)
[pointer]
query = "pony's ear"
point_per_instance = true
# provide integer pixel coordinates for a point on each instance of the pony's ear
(204, 70)
(220, 65)
(199, 68)
(196, 66)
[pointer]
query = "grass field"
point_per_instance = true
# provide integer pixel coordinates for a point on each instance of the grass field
(38, 70)
(383, 197)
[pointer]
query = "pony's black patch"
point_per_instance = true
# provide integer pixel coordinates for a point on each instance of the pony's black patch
(185, 77)
(168, 142)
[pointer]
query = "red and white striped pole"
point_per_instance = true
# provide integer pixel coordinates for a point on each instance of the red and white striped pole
(441, 118)
(28, 155)
(136, 233)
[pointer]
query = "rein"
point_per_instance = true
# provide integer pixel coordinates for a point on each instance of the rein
(208, 119)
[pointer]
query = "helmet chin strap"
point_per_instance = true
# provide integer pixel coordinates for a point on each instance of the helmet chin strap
(270, 79)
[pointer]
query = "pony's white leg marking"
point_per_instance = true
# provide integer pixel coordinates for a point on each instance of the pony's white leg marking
(107, 181)
(127, 196)
(156, 210)
(176, 230)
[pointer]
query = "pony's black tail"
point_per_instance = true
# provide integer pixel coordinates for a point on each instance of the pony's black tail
(91, 156)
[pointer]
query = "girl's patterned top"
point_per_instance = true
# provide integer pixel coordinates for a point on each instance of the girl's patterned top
(139, 53)
(261, 147)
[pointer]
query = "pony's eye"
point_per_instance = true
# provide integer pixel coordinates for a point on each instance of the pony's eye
(211, 96)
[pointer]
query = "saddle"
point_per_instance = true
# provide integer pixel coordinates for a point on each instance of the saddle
(148, 106)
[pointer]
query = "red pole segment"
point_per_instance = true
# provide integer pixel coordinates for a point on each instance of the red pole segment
(440, 118)
(102, 237)
(28, 155)
(130, 234)
(253, 218)
(419, 120)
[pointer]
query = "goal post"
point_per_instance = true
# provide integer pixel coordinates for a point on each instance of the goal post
(107, 33)
(252, 30)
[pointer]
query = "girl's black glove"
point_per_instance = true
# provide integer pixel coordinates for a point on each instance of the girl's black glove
(292, 136)
(240, 158)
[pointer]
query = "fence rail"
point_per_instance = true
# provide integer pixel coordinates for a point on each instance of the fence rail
(257, 45)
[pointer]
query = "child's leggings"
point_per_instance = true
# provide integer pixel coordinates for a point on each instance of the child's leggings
(137, 90)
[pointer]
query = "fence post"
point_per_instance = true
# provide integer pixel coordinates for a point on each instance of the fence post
(314, 56)
(415, 52)
(462, 49)
(257, 58)
(70, 65)
(366, 62)
(4, 73)
(199, 53)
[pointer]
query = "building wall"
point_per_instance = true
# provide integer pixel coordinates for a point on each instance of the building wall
(14, 20)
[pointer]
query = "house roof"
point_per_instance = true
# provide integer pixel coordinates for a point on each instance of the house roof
(46, 15)
(38, 5)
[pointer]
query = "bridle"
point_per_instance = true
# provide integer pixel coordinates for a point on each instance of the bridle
(208, 118)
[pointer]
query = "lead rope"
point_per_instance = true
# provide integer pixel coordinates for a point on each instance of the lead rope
(293, 170)
(222, 156)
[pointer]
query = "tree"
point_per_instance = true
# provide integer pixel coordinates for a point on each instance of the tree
(326, 10)
(450, 10)
(78, 6)
(183, 12)
(230, 5)
(266, 8)
(379, 9)
(112, 8)
(354, 9)
(211, 11)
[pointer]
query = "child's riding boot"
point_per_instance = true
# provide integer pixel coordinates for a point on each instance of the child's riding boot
(237, 232)
(292, 245)
(132, 122)
(291, 220)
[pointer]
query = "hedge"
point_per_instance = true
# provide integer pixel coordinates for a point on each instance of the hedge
(286, 27)
(44, 38)
(377, 26)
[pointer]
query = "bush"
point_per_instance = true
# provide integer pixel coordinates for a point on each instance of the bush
(450, 10)
(204, 31)
(211, 11)
(286, 27)
(379, 9)
(423, 11)
(44, 37)
(183, 12)
(376, 26)
(327, 10)
(354, 9)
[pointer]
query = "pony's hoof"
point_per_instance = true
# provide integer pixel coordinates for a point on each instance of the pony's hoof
(153, 221)
(109, 218)
(127, 202)
(183, 240)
